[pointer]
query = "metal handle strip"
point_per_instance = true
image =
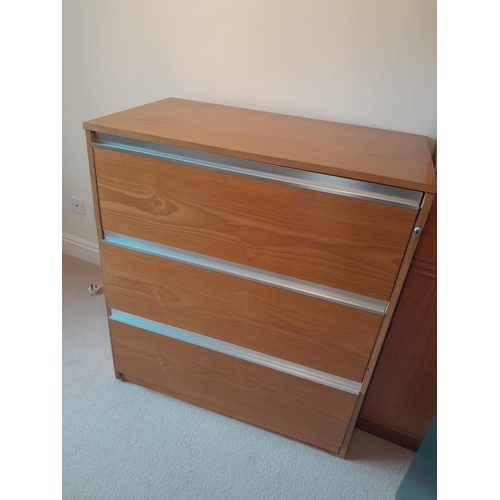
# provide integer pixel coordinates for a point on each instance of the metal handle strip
(235, 351)
(342, 297)
(288, 176)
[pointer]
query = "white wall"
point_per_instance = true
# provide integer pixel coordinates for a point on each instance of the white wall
(359, 61)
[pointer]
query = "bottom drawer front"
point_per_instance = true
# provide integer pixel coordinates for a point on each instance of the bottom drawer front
(288, 405)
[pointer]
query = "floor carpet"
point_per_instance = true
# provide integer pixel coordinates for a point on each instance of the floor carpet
(125, 442)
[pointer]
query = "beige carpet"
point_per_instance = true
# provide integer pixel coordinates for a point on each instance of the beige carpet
(124, 442)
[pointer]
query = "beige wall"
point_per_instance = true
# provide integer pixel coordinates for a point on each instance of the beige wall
(364, 62)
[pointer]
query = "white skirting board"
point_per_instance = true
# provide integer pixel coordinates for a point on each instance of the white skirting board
(81, 249)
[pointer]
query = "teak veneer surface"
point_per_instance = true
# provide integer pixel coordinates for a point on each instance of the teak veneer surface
(304, 410)
(403, 392)
(354, 245)
(305, 330)
(337, 241)
(363, 153)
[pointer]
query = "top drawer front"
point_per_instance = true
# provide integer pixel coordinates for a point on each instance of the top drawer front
(337, 241)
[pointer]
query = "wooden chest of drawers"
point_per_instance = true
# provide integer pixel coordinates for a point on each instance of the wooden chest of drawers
(253, 261)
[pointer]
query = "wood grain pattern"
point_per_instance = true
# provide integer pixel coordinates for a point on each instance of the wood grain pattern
(302, 410)
(363, 153)
(305, 330)
(350, 244)
(379, 415)
(414, 321)
(396, 292)
(403, 391)
(354, 245)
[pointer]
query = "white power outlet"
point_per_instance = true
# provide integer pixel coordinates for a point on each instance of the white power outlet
(78, 206)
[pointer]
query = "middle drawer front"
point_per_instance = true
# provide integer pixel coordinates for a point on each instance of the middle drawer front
(312, 332)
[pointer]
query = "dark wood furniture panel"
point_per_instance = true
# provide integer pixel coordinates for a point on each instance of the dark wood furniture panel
(401, 401)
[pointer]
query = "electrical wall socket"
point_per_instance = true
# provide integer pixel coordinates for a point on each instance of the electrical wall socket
(78, 206)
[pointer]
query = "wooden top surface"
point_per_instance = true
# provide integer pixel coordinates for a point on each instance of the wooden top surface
(363, 153)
